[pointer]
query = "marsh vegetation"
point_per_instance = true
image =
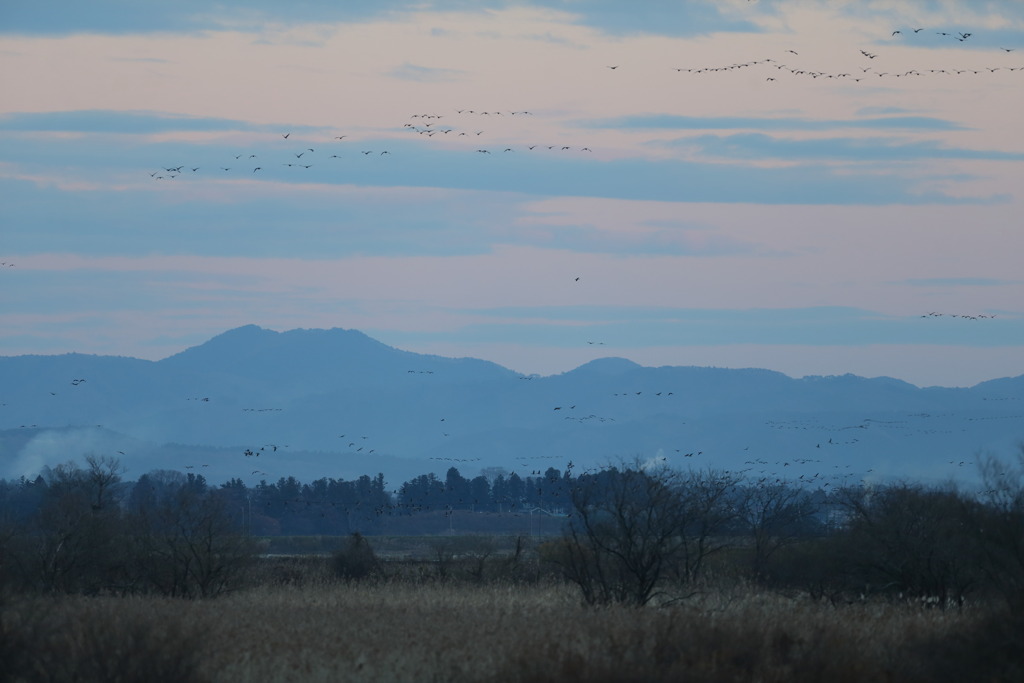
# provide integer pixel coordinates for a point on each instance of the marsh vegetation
(654, 576)
(399, 630)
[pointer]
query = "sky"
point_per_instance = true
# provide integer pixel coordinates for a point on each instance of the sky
(811, 187)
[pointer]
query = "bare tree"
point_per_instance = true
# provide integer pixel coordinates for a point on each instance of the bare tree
(774, 514)
(75, 544)
(1000, 526)
(192, 546)
(624, 533)
(102, 477)
(709, 512)
(913, 540)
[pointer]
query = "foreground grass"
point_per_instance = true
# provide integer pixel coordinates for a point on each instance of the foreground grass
(406, 632)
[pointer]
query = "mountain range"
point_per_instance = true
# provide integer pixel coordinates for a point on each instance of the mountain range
(258, 404)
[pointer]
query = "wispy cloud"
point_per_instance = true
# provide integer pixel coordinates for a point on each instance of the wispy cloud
(414, 164)
(426, 74)
(876, 111)
(658, 17)
(759, 145)
(118, 122)
(959, 282)
(120, 17)
(143, 60)
(679, 122)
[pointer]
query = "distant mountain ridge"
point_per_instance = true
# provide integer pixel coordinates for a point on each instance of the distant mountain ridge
(339, 354)
(339, 403)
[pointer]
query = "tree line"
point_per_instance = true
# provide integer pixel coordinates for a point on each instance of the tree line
(630, 533)
(636, 535)
(326, 506)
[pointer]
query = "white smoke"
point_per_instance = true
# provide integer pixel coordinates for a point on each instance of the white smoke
(54, 446)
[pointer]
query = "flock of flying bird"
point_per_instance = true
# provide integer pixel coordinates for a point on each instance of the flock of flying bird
(976, 316)
(759, 465)
(860, 73)
(827, 472)
(430, 125)
(447, 127)
(426, 125)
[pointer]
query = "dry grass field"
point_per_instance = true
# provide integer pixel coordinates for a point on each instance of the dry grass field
(322, 630)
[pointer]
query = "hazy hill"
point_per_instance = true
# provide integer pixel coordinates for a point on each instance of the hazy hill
(337, 403)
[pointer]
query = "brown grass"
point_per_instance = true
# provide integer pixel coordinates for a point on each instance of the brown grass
(116, 640)
(397, 631)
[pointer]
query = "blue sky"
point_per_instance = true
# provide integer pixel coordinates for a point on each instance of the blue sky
(785, 185)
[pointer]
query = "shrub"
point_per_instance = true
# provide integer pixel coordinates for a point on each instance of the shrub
(355, 560)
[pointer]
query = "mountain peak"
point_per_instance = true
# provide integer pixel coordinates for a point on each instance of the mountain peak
(612, 365)
(316, 360)
(246, 329)
(251, 346)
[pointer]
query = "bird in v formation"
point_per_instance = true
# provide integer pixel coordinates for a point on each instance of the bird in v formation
(433, 118)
